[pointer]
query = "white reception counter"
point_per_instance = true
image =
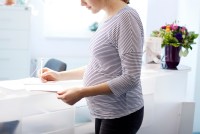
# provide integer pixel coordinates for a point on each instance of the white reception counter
(167, 110)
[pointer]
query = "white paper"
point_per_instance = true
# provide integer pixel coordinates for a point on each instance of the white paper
(44, 87)
(51, 86)
(35, 84)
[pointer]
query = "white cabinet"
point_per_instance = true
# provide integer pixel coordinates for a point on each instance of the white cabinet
(26, 112)
(14, 42)
(172, 112)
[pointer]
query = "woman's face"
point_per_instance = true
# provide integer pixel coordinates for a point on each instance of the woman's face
(94, 5)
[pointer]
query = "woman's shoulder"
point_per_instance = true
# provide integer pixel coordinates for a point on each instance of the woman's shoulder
(127, 11)
(126, 14)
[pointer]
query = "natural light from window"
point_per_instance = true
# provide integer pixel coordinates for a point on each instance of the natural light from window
(68, 19)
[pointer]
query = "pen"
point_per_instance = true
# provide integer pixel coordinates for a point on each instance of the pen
(41, 65)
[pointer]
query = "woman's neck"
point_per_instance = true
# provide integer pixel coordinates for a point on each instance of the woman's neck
(112, 7)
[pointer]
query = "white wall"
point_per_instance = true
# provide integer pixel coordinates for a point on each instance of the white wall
(161, 12)
(189, 11)
(197, 95)
(72, 50)
(189, 14)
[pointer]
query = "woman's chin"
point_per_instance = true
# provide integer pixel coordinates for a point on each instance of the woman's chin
(94, 11)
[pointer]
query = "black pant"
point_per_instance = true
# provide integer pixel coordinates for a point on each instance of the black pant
(129, 124)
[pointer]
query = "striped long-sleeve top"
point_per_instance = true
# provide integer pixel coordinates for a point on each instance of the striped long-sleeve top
(116, 58)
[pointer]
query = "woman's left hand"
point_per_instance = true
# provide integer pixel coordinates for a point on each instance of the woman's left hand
(70, 96)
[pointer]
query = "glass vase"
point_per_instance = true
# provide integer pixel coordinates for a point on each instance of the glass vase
(171, 57)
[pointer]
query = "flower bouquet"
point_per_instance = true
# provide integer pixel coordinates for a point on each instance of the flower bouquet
(175, 35)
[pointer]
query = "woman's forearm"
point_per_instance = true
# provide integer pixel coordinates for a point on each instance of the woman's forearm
(74, 74)
(100, 89)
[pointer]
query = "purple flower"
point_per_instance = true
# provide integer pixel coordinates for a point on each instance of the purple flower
(179, 37)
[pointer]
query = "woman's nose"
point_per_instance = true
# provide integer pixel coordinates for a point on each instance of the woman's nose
(83, 3)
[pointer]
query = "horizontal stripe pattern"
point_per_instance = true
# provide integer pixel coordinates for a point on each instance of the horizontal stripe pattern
(116, 58)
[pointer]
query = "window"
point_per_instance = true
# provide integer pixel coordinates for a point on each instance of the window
(67, 18)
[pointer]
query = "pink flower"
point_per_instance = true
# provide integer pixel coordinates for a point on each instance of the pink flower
(183, 29)
(174, 27)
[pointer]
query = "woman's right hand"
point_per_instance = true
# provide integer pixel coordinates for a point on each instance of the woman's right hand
(47, 74)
